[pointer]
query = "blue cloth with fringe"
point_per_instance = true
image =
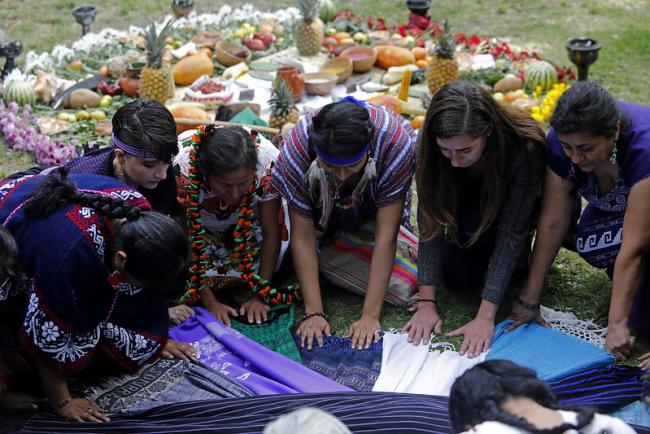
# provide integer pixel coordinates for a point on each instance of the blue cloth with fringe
(551, 353)
(337, 360)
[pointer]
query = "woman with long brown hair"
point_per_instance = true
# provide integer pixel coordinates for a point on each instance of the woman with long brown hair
(479, 172)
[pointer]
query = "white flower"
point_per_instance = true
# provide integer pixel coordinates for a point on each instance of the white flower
(50, 331)
(140, 342)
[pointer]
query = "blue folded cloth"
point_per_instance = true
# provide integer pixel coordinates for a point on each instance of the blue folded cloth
(549, 352)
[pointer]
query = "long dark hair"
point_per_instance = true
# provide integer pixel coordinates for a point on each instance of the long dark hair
(147, 124)
(477, 396)
(8, 256)
(341, 129)
(156, 246)
(225, 149)
(457, 109)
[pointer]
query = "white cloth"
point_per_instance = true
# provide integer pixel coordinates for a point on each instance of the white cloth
(600, 424)
(415, 369)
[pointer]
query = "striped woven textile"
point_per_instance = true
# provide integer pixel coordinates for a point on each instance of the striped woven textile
(362, 412)
(606, 388)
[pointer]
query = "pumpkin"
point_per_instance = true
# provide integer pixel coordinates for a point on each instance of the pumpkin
(417, 122)
(388, 55)
(419, 53)
(190, 113)
(187, 70)
(19, 92)
(387, 101)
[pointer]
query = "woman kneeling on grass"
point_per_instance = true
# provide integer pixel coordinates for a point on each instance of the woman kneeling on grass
(235, 218)
(347, 169)
(479, 174)
(599, 148)
(96, 267)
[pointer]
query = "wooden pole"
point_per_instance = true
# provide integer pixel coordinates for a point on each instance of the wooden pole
(195, 122)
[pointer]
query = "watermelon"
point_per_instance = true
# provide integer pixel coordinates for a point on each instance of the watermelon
(20, 92)
(327, 10)
(540, 73)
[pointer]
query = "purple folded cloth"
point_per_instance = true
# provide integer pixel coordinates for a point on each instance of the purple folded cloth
(254, 366)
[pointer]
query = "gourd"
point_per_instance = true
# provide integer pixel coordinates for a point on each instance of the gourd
(387, 101)
(541, 74)
(389, 55)
(19, 92)
(187, 70)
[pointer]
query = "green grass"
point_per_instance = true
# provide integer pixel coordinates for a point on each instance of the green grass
(621, 25)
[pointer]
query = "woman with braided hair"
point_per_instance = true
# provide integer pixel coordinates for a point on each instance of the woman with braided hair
(235, 219)
(99, 266)
(499, 396)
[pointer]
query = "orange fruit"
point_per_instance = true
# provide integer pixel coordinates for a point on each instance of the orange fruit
(419, 53)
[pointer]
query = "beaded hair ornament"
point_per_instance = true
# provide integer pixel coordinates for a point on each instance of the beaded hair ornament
(243, 256)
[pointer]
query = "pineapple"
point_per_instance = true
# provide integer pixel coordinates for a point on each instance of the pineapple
(309, 31)
(283, 109)
(156, 81)
(443, 68)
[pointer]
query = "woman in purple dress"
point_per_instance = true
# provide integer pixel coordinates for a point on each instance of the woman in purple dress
(599, 148)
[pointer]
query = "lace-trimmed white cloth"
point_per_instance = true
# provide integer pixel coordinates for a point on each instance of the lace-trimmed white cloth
(420, 369)
(568, 323)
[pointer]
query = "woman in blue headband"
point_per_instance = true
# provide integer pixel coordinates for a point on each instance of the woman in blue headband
(144, 143)
(347, 165)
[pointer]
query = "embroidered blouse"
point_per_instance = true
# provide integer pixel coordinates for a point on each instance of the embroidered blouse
(74, 311)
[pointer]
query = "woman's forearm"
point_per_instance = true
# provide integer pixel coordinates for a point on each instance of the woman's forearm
(55, 385)
(305, 259)
(271, 238)
(627, 278)
(381, 268)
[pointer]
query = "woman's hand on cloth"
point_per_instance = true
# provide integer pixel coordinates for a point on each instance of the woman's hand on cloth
(521, 315)
(644, 361)
(81, 410)
(619, 340)
(222, 312)
(424, 321)
(312, 328)
(477, 336)
(364, 332)
(12, 402)
(255, 310)
(178, 350)
(179, 314)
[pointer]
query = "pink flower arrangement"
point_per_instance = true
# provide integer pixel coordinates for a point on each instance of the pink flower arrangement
(21, 135)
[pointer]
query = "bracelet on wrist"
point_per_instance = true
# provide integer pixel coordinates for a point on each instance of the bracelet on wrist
(308, 315)
(528, 306)
(64, 403)
(412, 304)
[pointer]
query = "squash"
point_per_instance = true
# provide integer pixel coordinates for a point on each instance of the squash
(388, 55)
(419, 53)
(84, 98)
(190, 113)
(417, 122)
(187, 70)
(19, 92)
(387, 101)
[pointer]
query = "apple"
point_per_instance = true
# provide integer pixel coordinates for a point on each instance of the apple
(265, 37)
(254, 44)
(278, 30)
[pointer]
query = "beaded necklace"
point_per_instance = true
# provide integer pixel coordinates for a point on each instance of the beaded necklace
(243, 255)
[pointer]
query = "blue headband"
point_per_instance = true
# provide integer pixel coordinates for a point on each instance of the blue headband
(342, 161)
(142, 153)
(353, 100)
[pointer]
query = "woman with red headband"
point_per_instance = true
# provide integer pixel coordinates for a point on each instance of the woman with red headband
(346, 165)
